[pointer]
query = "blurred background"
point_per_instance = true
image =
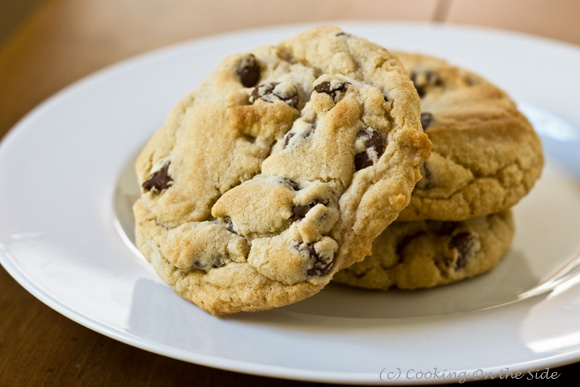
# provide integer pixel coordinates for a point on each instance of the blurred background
(45, 45)
(48, 44)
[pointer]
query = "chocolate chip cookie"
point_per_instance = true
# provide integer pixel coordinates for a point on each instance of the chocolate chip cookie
(278, 170)
(427, 253)
(486, 156)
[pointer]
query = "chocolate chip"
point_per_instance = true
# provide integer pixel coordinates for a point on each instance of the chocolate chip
(320, 266)
(291, 99)
(426, 119)
(213, 263)
(358, 275)
(266, 92)
(425, 79)
(248, 71)
(262, 90)
(327, 88)
(341, 34)
(433, 78)
(159, 180)
(249, 138)
(299, 212)
(404, 242)
(287, 139)
(218, 262)
(419, 88)
(323, 87)
(420, 91)
(374, 141)
(291, 183)
(361, 161)
(426, 180)
(229, 224)
(463, 242)
(303, 135)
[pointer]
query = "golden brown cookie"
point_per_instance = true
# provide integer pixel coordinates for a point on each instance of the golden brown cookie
(278, 170)
(486, 156)
(427, 253)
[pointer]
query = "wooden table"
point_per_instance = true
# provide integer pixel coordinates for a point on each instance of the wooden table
(61, 41)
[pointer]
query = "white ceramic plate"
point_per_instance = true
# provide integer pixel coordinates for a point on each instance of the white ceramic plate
(66, 187)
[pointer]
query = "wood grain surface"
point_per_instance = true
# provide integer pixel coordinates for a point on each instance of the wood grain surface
(61, 41)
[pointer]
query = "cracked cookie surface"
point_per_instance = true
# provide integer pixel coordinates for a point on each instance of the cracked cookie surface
(424, 253)
(486, 155)
(278, 170)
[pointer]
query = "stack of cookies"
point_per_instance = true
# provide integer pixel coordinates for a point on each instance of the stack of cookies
(486, 156)
(288, 165)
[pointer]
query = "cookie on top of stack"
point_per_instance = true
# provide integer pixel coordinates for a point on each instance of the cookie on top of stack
(280, 169)
(486, 156)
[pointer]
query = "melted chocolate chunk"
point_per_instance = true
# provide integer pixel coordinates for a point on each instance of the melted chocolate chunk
(229, 224)
(326, 88)
(304, 135)
(426, 180)
(419, 88)
(249, 138)
(463, 242)
(299, 212)
(266, 92)
(319, 267)
(263, 90)
(248, 71)
(158, 181)
(362, 160)
(218, 262)
(290, 99)
(404, 242)
(323, 87)
(374, 140)
(215, 262)
(433, 78)
(426, 119)
(291, 183)
(289, 136)
(423, 80)
(358, 275)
